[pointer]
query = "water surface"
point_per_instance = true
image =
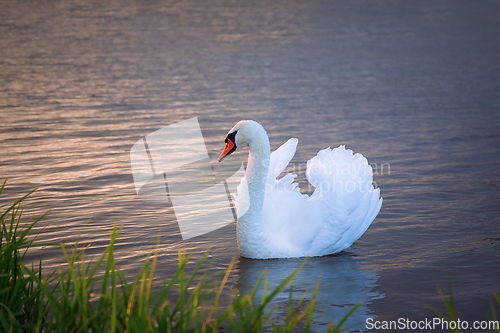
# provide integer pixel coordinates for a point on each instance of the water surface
(413, 86)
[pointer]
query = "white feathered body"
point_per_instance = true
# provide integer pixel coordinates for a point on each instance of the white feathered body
(284, 223)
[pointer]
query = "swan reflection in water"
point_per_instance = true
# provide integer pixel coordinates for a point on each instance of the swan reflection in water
(343, 284)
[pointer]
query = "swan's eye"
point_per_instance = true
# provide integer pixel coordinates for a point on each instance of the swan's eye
(231, 136)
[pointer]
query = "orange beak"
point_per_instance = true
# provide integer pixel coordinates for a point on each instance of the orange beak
(227, 150)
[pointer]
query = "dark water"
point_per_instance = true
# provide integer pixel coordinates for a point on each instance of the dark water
(413, 86)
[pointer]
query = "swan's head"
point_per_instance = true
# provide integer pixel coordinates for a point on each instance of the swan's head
(241, 135)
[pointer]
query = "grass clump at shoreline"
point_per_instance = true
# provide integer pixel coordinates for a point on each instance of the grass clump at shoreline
(94, 295)
(452, 318)
(21, 301)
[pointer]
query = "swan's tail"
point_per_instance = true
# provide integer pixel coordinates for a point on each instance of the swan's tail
(349, 201)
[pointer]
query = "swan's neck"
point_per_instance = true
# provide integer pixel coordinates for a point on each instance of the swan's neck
(251, 231)
(257, 169)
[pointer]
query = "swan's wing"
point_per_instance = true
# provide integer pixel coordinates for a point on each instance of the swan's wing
(281, 157)
(280, 194)
(290, 217)
(278, 161)
(349, 202)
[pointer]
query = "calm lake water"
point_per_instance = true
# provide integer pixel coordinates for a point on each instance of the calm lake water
(413, 86)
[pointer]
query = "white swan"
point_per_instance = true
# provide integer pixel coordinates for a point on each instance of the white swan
(279, 221)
